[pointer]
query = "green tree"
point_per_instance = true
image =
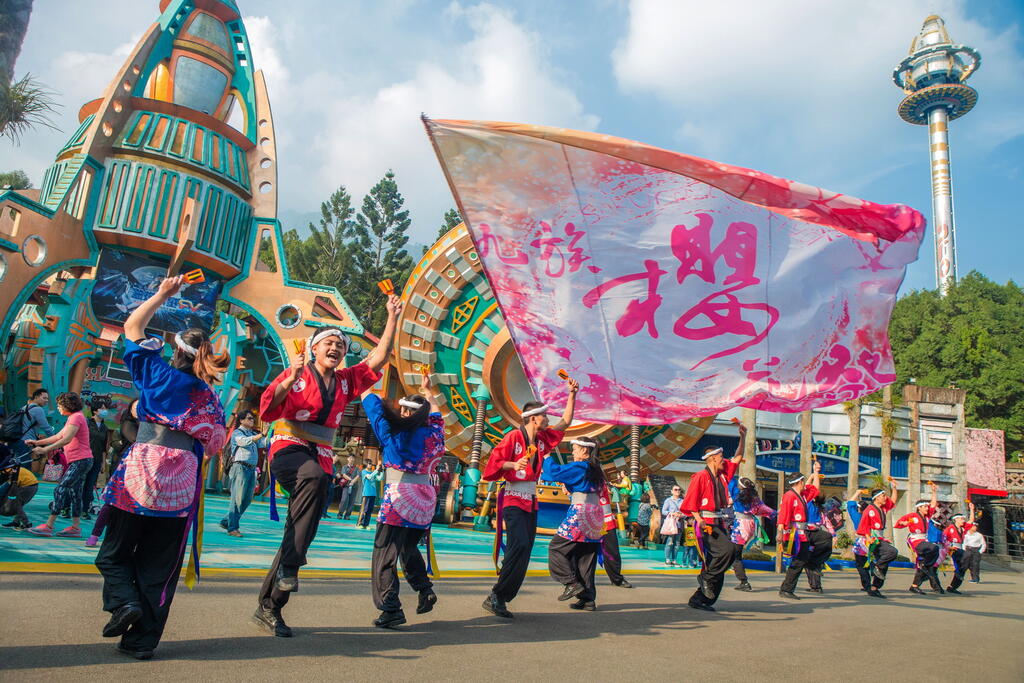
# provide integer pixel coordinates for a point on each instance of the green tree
(377, 250)
(450, 220)
(24, 103)
(973, 338)
(16, 180)
(325, 256)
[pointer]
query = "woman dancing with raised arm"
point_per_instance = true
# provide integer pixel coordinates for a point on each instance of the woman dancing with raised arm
(154, 492)
(412, 442)
(572, 553)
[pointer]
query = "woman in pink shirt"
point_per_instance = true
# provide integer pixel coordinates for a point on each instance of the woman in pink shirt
(74, 438)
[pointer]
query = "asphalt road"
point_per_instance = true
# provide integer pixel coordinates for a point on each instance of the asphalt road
(51, 623)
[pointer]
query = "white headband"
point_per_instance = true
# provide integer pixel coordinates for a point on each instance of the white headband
(536, 411)
(796, 480)
(409, 404)
(322, 334)
(959, 514)
(583, 443)
(710, 453)
(184, 347)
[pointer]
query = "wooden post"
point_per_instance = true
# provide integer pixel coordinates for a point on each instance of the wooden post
(748, 468)
(806, 444)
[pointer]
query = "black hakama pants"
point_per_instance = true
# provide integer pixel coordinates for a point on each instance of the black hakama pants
(885, 553)
(821, 549)
(612, 557)
(927, 554)
(959, 569)
(140, 557)
(719, 551)
(298, 471)
(572, 562)
(520, 533)
(391, 545)
(797, 562)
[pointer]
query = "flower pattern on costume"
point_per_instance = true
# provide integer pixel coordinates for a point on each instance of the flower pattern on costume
(417, 452)
(744, 529)
(583, 523)
(157, 480)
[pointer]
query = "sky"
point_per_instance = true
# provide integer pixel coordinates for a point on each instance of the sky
(797, 88)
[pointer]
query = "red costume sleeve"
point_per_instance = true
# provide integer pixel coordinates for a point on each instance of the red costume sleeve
(810, 492)
(551, 438)
(360, 378)
(500, 454)
(729, 469)
(268, 414)
(889, 505)
(903, 522)
(869, 522)
(786, 509)
(698, 490)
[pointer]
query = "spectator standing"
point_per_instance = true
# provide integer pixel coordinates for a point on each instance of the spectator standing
(672, 518)
(643, 520)
(98, 436)
(974, 547)
(348, 479)
(74, 439)
(371, 477)
(34, 425)
(242, 461)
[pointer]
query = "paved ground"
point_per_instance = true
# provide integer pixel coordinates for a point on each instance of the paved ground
(51, 623)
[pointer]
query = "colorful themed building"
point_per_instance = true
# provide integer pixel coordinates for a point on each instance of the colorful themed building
(173, 168)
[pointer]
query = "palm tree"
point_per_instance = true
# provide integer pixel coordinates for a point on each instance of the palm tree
(25, 103)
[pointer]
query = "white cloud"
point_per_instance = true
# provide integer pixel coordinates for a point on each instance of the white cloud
(805, 81)
(352, 136)
(83, 76)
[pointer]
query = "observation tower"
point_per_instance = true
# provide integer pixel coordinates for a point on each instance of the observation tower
(932, 76)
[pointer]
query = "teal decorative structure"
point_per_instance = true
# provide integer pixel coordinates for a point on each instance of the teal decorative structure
(174, 166)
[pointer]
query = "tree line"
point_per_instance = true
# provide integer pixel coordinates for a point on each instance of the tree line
(353, 250)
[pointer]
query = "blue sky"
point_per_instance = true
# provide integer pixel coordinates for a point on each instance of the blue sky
(798, 88)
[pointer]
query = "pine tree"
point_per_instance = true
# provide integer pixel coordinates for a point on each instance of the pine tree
(450, 220)
(326, 254)
(378, 253)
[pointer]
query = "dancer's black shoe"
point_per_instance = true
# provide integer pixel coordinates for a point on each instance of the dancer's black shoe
(121, 619)
(270, 620)
(427, 600)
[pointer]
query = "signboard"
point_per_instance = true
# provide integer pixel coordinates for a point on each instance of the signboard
(789, 461)
(124, 280)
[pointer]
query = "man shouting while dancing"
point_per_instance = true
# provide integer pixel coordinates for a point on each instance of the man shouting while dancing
(306, 403)
(517, 461)
(707, 501)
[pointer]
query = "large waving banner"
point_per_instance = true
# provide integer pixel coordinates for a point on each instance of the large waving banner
(672, 286)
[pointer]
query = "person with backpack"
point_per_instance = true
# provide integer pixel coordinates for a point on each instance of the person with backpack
(243, 458)
(27, 424)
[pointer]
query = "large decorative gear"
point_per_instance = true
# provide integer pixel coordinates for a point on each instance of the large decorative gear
(451, 323)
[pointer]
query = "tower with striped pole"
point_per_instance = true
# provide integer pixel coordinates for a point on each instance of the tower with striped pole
(932, 76)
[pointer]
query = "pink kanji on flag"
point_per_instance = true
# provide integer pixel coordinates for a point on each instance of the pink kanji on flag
(673, 286)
